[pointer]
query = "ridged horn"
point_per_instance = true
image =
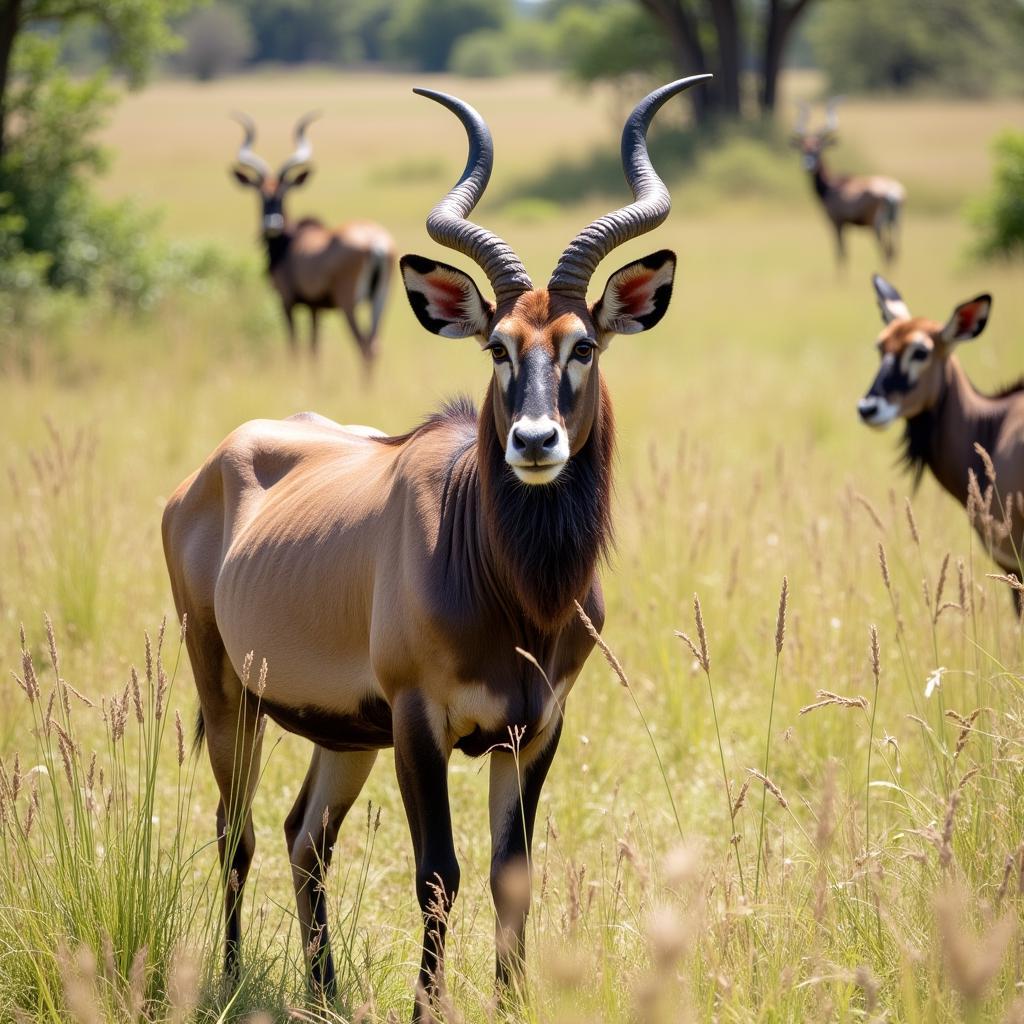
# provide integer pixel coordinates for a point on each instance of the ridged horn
(831, 116)
(803, 115)
(650, 206)
(303, 147)
(447, 224)
(246, 157)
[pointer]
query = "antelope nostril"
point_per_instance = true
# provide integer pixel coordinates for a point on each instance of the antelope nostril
(551, 440)
(518, 441)
(867, 407)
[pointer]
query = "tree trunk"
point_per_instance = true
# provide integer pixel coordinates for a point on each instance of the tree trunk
(10, 18)
(727, 73)
(688, 55)
(782, 17)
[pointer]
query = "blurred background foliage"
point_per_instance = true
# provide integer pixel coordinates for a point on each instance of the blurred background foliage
(61, 62)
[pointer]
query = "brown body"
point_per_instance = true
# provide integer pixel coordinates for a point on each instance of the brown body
(312, 265)
(342, 268)
(869, 201)
(420, 591)
(948, 419)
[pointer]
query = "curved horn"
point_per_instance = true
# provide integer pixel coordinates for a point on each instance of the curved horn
(447, 224)
(832, 115)
(803, 115)
(303, 147)
(246, 157)
(649, 208)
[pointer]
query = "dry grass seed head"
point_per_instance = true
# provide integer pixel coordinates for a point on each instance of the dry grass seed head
(870, 509)
(702, 636)
(972, 960)
(179, 733)
(78, 977)
(606, 651)
(780, 620)
(827, 697)
(741, 796)
(884, 566)
(769, 785)
(986, 461)
(939, 587)
(875, 657)
(137, 696)
(912, 522)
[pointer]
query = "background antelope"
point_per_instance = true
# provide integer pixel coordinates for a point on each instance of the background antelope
(922, 380)
(864, 201)
(310, 264)
(388, 581)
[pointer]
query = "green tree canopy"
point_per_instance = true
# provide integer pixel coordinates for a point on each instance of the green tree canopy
(964, 48)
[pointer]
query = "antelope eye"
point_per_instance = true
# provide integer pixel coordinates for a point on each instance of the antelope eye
(498, 353)
(583, 350)
(919, 354)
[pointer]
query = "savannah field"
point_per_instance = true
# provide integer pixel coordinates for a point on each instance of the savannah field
(882, 877)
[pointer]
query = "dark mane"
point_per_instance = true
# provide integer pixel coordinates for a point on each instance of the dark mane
(916, 445)
(549, 539)
(460, 411)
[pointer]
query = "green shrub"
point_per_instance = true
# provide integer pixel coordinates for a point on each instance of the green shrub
(53, 230)
(1000, 216)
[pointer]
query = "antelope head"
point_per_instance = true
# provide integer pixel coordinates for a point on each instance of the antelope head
(544, 343)
(254, 172)
(914, 351)
(812, 144)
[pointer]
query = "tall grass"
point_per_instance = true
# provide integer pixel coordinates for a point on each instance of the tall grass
(96, 902)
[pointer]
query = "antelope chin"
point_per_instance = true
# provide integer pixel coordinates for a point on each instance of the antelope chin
(877, 412)
(535, 474)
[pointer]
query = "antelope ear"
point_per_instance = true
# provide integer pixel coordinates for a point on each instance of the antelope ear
(445, 300)
(244, 177)
(968, 320)
(298, 179)
(890, 302)
(636, 296)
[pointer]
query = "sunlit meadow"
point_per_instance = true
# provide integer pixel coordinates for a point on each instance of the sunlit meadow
(809, 808)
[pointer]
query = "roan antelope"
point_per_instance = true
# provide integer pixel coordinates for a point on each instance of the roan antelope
(310, 264)
(864, 201)
(922, 380)
(388, 581)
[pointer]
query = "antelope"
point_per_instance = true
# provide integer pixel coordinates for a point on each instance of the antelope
(308, 263)
(947, 418)
(392, 584)
(864, 201)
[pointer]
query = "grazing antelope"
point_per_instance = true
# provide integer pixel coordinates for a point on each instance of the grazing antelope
(309, 264)
(390, 583)
(864, 201)
(922, 380)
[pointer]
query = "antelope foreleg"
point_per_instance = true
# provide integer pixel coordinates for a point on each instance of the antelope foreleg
(517, 777)
(422, 768)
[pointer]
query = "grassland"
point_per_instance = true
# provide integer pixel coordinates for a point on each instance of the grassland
(890, 883)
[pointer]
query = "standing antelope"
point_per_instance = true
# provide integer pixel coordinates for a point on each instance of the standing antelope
(389, 581)
(309, 264)
(865, 201)
(921, 380)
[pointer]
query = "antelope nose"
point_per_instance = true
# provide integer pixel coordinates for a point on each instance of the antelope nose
(535, 443)
(867, 407)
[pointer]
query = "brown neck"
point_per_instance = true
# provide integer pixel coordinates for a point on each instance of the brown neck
(542, 544)
(942, 438)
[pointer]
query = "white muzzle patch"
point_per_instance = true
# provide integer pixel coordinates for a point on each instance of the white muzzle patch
(537, 449)
(877, 412)
(273, 224)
